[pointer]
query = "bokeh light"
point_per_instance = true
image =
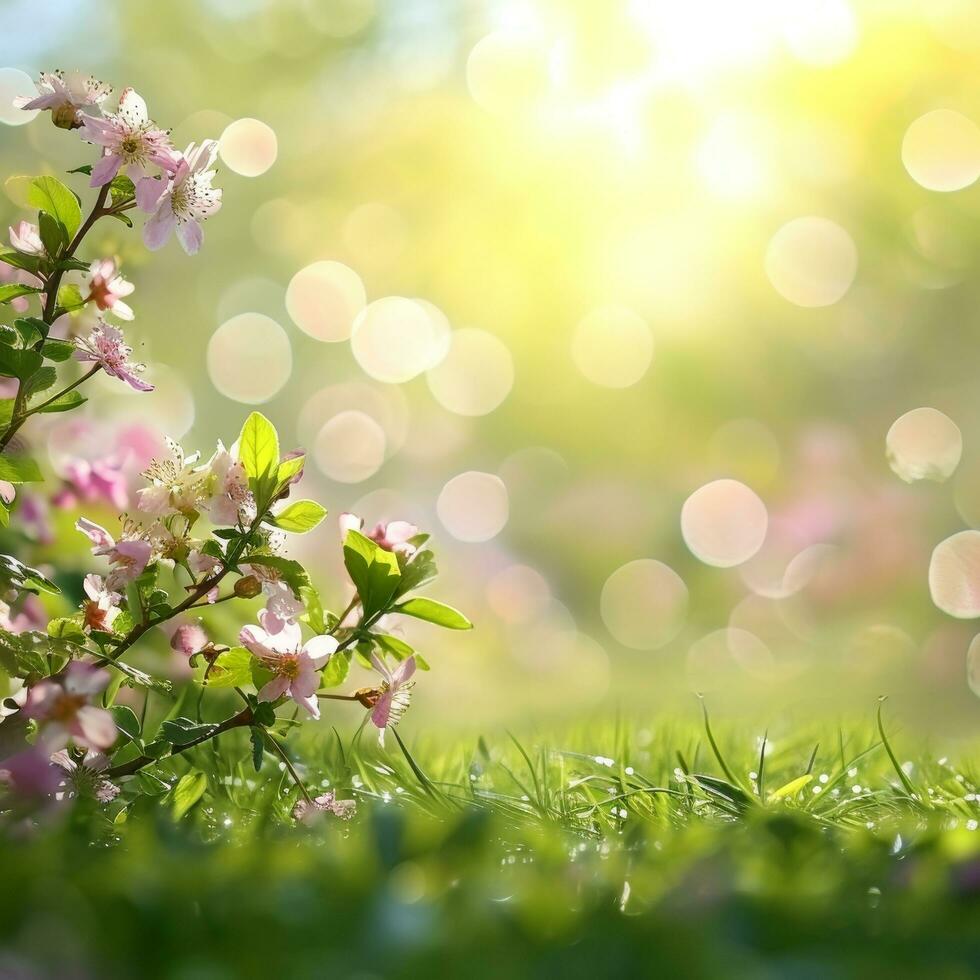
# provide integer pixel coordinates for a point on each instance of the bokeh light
(724, 523)
(14, 82)
(924, 444)
(324, 299)
(941, 150)
(350, 447)
(475, 375)
(249, 147)
(613, 347)
(973, 666)
(517, 594)
(954, 575)
(644, 604)
(394, 339)
(811, 261)
(473, 506)
(249, 358)
(506, 71)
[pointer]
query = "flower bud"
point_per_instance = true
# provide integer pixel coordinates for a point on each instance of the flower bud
(65, 116)
(248, 587)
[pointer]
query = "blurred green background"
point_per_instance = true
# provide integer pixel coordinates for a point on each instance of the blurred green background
(601, 202)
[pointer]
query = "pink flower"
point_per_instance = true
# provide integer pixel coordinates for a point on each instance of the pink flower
(187, 202)
(107, 288)
(30, 616)
(105, 347)
(128, 557)
(66, 96)
(102, 606)
(63, 709)
(175, 485)
(394, 536)
(189, 638)
(296, 667)
(228, 488)
(33, 514)
(396, 694)
(306, 811)
(98, 481)
(26, 238)
(281, 609)
(85, 777)
(130, 140)
(29, 773)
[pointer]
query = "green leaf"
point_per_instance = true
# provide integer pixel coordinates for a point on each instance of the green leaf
(70, 298)
(181, 731)
(20, 260)
(399, 649)
(288, 468)
(231, 669)
(12, 290)
(313, 616)
(338, 666)
(6, 412)
(64, 403)
(19, 469)
(67, 629)
(373, 571)
(58, 350)
(18, 363)
(417, 572)
(53, 234)
(123, 217)
(31, 329)
(258, 747)
(121, 188)
(189, 789)
(51, 195)
(126, 721)
(435, 612)
(300, 517)
(791, 788)
(17, 575)
(291, 572)
(39, 381)
(258, 447)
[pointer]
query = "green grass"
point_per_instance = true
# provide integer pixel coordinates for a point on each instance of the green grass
(657, 850)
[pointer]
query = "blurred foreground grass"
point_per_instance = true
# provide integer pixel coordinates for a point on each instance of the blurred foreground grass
(632, 851)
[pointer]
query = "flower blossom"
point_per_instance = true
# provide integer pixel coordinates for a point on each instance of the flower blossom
(66, 95)
(227, 488)
(63, 709)
(107, 288)
(85, 777)
(128, 557)
(185, 203)
(34, 521)
(101, 607)
(305, 811)
(30, 615)
(296, 665)
(25, 237)
(395, 536)
(105, 346)
(90, 482)
(396, 694)
(130, 141)
(189, 638)
(175, 485)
